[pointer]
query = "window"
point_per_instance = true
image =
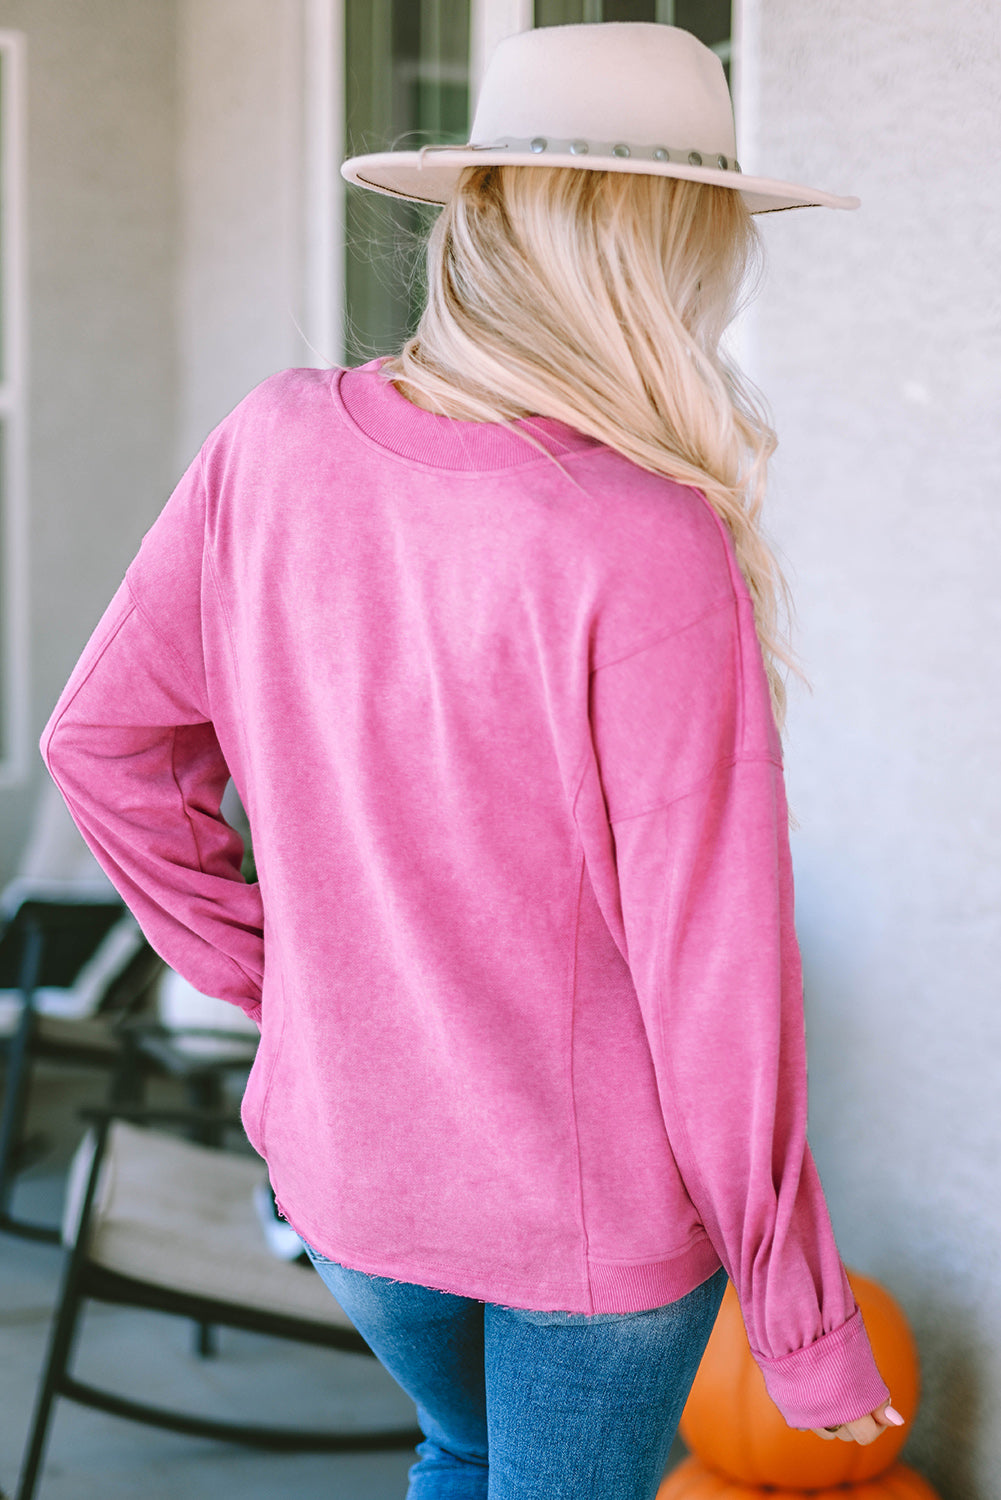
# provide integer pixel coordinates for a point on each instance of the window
(709, 20)
(13, 500)
(407, 84)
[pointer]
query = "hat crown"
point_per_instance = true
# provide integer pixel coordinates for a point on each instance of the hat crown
(638, 82)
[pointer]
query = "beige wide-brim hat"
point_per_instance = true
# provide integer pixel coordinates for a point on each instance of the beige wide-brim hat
(619, 96)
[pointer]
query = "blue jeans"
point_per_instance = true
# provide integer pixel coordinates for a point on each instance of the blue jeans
(518, 1405)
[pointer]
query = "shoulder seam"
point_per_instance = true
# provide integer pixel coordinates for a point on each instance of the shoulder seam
(178, 658)
(721, 765)
(668, 635)
(52, 730)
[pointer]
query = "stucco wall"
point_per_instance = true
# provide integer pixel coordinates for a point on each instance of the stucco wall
(102, 209)
(240, 153)
(165, 258)
(878, 342)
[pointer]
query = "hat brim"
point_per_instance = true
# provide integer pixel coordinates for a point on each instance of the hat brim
(431, 175)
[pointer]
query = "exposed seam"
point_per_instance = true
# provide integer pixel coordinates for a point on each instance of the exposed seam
(669, 635)
(663, 1013)
(82, 684)
(572, 978)
(164, 641)
(241, 726)
(741, 595)
(698, 1236)
(247, 978)
(742, 683)
(272, 1071)
(721, 765)
(68, 797)
(231, 636)
(184, 805)
(585, 758)
(427, 466)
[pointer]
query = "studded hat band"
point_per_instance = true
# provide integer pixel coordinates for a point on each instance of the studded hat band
(537, 145)
(659, 85)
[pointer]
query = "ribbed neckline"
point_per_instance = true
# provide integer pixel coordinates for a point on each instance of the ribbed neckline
(387, 418)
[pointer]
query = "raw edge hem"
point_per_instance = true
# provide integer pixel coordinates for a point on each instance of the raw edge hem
(620, 1287)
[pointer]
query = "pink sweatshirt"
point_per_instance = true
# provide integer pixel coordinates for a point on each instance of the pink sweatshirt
(522, 951)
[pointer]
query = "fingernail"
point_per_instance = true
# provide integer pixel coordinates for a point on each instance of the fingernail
(893, 1416)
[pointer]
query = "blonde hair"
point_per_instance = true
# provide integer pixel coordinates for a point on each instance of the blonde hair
(600, 298)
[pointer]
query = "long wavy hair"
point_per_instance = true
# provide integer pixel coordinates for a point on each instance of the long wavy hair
(600, 299)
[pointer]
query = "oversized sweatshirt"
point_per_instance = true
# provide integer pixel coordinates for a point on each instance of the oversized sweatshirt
(521, 946)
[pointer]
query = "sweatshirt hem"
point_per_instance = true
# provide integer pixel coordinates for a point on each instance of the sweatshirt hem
(636, 1286)
(612, 1287)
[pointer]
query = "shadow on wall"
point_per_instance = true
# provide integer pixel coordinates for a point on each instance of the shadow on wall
(954, 1408)
(892, 1223)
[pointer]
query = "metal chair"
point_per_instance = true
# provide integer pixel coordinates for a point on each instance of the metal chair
(71, 969)
(206, 1045)
(159, 1222)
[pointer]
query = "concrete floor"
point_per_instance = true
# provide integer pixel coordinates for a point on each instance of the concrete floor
(91, 1456)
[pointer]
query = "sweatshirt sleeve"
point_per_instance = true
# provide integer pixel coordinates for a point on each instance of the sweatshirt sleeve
(690, 766)
(132, 747)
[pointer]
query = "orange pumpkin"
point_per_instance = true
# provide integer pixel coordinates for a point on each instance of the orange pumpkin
(693, 1480)
(731, 1423)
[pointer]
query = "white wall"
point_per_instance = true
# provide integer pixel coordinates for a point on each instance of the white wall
(877, 341)
(243, 245)
(177, 220)
(102, 213)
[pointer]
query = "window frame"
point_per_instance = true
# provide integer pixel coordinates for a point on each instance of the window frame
(14, 560)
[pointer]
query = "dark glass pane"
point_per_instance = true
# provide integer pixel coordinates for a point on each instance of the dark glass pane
(430, 68)
(709, 20)
(407, 85)
(407, 65)
(629, 10)
(559, 12)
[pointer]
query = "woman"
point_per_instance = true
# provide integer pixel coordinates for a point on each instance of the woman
(485, 635)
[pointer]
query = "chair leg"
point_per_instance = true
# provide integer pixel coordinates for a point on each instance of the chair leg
(205, 1093)
(57, 1360)
(206, 1340)
(128, 1078)
(64, 1327)
(15, 1106)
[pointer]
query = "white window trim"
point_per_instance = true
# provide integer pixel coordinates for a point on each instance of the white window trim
(323, 195)
(490, 21)
(14, 667)
(741, 336)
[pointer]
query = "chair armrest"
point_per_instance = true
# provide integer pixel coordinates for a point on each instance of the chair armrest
(140, 1114)
(190, 1054)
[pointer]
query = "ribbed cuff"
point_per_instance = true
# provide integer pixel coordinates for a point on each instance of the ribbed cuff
(831, 1381)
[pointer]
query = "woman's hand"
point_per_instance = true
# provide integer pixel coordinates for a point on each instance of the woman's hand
(863, 1430)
